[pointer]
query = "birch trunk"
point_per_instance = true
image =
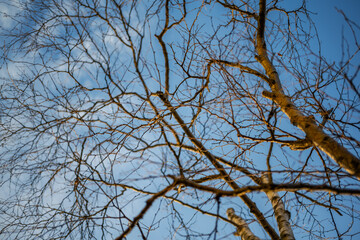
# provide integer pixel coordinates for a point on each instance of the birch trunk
(307, 124)
(282, 216)
(243, 229)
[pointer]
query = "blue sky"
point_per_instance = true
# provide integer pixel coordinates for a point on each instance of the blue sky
(330, 22)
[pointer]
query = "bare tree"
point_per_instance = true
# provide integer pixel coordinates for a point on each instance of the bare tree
(176, 119)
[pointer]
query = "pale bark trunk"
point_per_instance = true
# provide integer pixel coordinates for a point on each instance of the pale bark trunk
(307, 124)
(313, 132)
(282, 216)
(243, 229)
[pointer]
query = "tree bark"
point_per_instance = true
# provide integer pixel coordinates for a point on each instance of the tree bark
(282, 216)
(243, 229)
(307, 124)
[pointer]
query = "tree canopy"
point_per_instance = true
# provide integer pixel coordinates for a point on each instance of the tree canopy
(174, 119)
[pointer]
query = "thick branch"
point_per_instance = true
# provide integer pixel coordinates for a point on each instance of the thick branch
(267, 188)
(163, 46)
(237, 9)
(300, 144)
(244, 69)
(261, 50)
